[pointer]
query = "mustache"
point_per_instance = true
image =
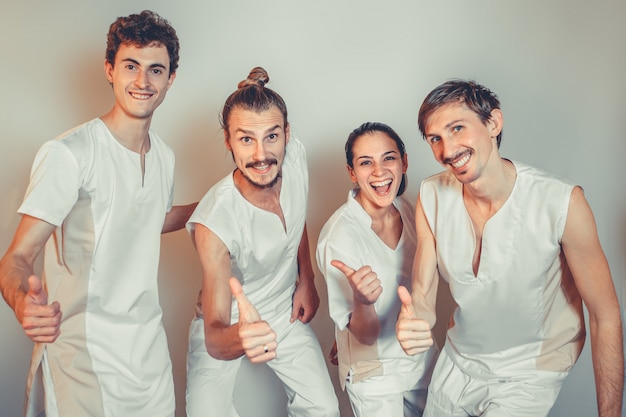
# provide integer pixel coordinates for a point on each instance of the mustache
(254, 164)
(455, 157)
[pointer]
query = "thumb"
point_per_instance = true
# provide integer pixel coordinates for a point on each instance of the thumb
(247, 312)
(407, 309)
(347, 271)
(36, 292)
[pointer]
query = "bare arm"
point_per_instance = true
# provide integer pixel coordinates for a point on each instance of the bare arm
(177, 217)
(417, 315)
(305, 297)
(22, 290)
(364, 323)
(223, 340)
(592, 276)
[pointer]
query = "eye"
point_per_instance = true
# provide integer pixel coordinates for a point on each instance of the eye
(272, 137)
(246, 139)
(457, 128)
(365, 163)
(129, 67)
(434, 139)
(390, 158)
(157, 71)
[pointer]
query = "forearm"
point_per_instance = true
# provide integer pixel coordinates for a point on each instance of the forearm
(608, 365)
(177, 217)
(14, 282)
(364, 323)
(223, 342)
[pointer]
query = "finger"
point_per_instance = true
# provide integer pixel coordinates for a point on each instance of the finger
(407, 309)
(347, 271)
(247, 312)
(36, 293)
(296, 313)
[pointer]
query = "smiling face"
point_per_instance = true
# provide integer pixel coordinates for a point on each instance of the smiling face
(140, 79)
(257, 141)
(377, 169)
(461, 142)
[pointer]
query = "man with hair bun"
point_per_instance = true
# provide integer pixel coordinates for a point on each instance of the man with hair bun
(520, 250)
(99, 198)
(250, 234)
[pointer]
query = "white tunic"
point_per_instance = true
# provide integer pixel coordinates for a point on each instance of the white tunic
(347, 236)
(101, 264)
(521, 312)
(263, 253)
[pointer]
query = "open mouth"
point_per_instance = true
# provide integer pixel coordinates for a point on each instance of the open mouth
(382, 187)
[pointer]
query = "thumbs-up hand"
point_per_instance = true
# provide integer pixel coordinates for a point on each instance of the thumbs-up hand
(258, 340)
(413, 333)
(364, 282)
(41, 321)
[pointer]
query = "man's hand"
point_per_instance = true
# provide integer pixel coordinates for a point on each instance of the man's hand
(413, 333)
(364, 282)
(305, 301)
(41, 321)
(258, 340)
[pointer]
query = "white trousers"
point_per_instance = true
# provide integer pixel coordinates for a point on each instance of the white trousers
(397, 395)
(299, 364)
(452, 393)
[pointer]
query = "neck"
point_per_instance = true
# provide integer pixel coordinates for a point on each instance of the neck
(131, 133)
(494, 187)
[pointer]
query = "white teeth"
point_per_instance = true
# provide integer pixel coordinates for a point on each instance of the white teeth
(140, 96)
(381, 183)
(461, 161)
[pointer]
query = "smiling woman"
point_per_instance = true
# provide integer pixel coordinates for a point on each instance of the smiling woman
(365, 251)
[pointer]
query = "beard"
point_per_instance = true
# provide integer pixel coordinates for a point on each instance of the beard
(270, 184)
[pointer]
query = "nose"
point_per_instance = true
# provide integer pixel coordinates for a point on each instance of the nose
(141, 81)
(259, 151)
(378, 168)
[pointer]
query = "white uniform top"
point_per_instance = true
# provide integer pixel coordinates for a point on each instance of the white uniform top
(522, 311)
(263, 254)
(347, 236)
(101, 264)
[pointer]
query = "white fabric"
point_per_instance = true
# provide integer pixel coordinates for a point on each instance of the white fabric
(521, 314)
(347, 236)
(452, 393)
(264, 258)
(101, 265)
(263, 253)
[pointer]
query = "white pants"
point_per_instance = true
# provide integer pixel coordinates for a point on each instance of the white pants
(394, 395)
(299, 364)
(452, 393)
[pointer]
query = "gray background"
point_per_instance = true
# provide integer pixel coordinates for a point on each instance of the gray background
(558, 68)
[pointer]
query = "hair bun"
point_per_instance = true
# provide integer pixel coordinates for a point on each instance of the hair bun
(258, 76)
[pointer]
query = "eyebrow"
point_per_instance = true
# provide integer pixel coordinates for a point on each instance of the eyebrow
(249, 132)
(371, 157)
(156, 65)
(446, 127)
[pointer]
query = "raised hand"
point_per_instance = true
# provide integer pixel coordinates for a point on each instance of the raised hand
(41, 321)
(413, 333)
(364, 282)
(258, 340)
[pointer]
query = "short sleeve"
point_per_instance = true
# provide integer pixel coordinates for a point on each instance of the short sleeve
(55, 181)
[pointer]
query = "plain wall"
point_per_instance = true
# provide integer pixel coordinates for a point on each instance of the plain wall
(558, 68)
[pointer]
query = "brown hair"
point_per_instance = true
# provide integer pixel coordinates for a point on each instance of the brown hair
(251, 94)
(142, 30)
(476, 97)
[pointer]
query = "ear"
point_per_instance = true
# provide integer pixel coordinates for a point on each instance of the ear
(108, 71)
(226, 141)
(287, 133)
(495, 122)
(171, 79)
(405, 163)
(351, 174)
